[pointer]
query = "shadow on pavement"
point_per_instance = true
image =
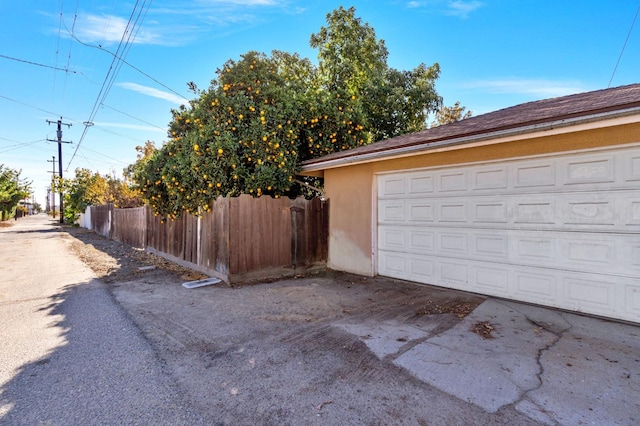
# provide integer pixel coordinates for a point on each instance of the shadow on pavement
(101, 372)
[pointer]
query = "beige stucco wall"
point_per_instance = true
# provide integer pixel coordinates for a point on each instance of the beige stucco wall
(351, 188)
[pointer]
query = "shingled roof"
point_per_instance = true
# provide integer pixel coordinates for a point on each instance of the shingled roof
(525, 115)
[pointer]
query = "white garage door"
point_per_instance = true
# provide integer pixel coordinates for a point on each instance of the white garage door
(561, 231)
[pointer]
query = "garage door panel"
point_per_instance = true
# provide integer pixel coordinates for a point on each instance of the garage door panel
(632, 300)
(632, 210)
(391, 211)
(452, 181)
(490, 246)
(421, 184)
(537, 286)
(490, 211)
(600, 253)
(632, 168)
(491, 280)
(454, 273)
(407, 239)
(393, 265)
(597, 209)
(490, 178)
(613, 170)
(394, 239)
(535, 248)
(633, 254)
(595, 295)
(422, 241)
(452, 211)
(589, 170)
(617, 297)
(421, 269)
(604, 253)
(613, 211)
(421, 211)
(533, 174)
(391, 185)
(453, 243)
(529, 211)
(561, 231)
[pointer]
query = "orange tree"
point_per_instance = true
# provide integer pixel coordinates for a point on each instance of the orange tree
(264, 114)
(247, 134)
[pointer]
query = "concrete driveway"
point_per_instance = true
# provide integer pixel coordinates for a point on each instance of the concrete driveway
(341, 349)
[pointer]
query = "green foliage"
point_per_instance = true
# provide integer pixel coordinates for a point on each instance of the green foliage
(12, 190)
(349, 54)
(88, 188)
(262, 115)
(401, 103)
(446, 115)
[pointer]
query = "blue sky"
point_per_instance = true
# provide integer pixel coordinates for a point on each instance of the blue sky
(55, 57)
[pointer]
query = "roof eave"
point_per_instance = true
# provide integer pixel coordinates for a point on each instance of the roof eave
(560, 126)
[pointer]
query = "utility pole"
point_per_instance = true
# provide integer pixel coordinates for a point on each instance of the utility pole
(53, 179)
(60, 142)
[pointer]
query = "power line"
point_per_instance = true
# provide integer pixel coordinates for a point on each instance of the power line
(624, 46)
(131, 66)
(114, 68)
(18, 144)
(53, 87)
(128, 64)
(134, 117)
(36, 63)
(29, 105)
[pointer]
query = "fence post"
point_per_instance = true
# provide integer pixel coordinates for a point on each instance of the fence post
(298, 236)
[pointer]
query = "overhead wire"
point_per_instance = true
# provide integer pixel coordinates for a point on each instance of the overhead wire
(27, 105)
(66, 77)
(18, 144)
(624, 46)
(53, 86)
(129, 65)
(112, 72)
(72, 120)
(134, 117)
(36, 63)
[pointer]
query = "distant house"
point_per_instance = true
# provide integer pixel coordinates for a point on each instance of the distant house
(28, 207)
(539, 203)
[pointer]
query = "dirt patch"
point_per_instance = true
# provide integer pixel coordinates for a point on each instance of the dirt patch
(112, 261)
(460, 308)
(483, 329)
(280, 352)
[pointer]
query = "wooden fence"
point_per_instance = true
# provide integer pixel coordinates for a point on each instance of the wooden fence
(241, 238)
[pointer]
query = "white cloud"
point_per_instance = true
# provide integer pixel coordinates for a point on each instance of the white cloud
(462, 9)
(150, 91)
(538, 88)
(110, 29)
(413, 4)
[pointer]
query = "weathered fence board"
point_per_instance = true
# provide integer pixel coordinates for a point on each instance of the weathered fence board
(101, 219)
(214, 237)
(130, 225)
(240, 238)
(260, 233)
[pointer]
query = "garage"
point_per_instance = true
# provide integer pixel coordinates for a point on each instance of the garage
(538, 202)
(555, 230)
